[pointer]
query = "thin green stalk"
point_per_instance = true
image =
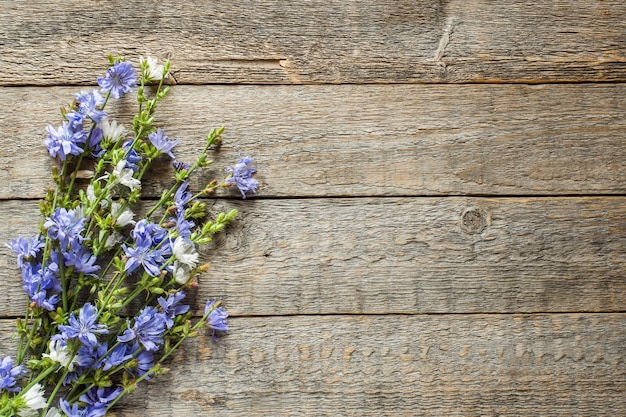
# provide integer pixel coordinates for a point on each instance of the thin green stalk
(64, 282)
(36, 323)
(37, 380)
(58, 385)
(75, 174)
(22, 349)
(72, 398)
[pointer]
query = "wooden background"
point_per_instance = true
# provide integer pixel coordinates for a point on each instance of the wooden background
(441, 227)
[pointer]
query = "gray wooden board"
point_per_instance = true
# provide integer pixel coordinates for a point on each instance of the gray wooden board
(390, 365)
(399, 255)
(364, 140)
(373, 41)
(505, 305)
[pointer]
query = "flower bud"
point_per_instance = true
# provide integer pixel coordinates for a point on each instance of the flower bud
(204, 268)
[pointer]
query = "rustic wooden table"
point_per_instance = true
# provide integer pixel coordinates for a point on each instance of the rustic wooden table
(441, 227)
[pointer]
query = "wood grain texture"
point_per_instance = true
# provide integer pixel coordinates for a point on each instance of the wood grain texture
(374, 41)
(472, 272)
(366, 140)
(453, 365)
(400, 255)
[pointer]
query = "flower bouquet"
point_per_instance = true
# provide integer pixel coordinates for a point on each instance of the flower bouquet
(106, 288)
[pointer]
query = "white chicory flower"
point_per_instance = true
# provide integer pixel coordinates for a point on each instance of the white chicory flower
(154, 71)
(53, 412)
(185, 251)
(113, 238)
(91, 195)
(34, 400)
(186, 259)
(124, 176)
(111, 130)
(124, 217)
(181, 272)
(59, 352)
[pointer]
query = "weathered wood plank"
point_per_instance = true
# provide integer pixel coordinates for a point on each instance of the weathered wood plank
(452, 365)
(384, 41)
(368, 140)
(400, 255)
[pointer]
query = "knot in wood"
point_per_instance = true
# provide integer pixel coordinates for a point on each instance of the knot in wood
(474, 220)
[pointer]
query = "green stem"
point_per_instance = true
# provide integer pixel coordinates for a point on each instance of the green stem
(75, 174)
(64, 282)
(72, 398)
(37, 380)
(110, 289)
(36, 322)
(22, 349)
(59, 384)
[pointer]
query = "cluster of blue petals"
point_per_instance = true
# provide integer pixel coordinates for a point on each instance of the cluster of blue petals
(74, 136)
(84, 328)
(8, 375)
(216, 318)
(162, 142)
(120, 79)
(71, 137)
(96, 401)
(134, 348)
(151, 248)
(181, 198)
(41, 281)
(132, 157)
(242, 176)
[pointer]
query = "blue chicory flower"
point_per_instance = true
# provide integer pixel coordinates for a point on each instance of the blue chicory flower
(153, 232)
(143, 358)
(171, 307)
(65, 226)
(85, 327)
(117, 357)
(162, 142)
(119, 80)
(64, 141)
(94, 142)
(25, 248)
(41, 284)
(74, 410)
(180, 166)
(216, 318)
(132, 157)
(100, 397)
(88, 102)
(145, 255)
(8, 373)
(148, 329)
(241, 176)
(183, 226)
(81, 259)
(88, 358)
(182, 196)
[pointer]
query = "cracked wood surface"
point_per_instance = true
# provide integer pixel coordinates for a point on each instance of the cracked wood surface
(273, 42)
(400, 255)
(428, 365)
(366, 140)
